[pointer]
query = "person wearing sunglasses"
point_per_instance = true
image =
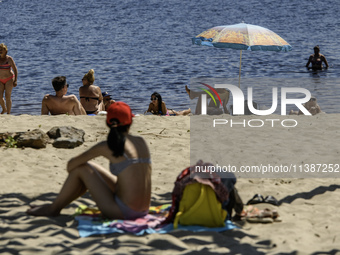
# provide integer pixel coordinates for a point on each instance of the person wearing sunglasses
(158, 107)
(60, 103)
(90, 95)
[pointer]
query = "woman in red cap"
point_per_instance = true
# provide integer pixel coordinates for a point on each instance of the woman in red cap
(124, 192)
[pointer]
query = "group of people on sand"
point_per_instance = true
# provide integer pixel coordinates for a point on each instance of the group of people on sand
(92, 100)
(124, 192)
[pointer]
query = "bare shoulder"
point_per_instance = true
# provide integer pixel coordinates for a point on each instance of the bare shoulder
(72, 98)
(10, 59)
(47, 97)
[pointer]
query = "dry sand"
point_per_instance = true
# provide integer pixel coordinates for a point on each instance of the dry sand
(310, 221)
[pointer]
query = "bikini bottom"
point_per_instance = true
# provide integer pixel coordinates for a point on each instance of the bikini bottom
(127, 212)
(91, 112)
(4, 81)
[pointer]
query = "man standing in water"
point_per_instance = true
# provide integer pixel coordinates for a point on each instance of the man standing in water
(316, 59)
(60, 103)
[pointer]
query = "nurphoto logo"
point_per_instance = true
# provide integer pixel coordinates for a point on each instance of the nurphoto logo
(239, 104)
(238, 98)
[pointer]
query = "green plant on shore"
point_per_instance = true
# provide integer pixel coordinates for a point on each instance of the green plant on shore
(10, 142)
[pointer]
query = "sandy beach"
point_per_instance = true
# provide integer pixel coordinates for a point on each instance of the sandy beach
(310, 222)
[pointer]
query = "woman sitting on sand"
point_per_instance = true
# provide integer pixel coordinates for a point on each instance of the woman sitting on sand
(158, 107)
(124, 192)
(8, 78)
(90, 95)
(312, 106)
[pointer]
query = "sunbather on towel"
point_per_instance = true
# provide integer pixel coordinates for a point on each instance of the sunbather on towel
(124, 192)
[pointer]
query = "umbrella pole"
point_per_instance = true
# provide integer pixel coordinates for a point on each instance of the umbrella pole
(239, 74)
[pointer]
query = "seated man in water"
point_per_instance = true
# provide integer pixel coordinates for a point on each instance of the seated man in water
(316, 59)
(312, 106)
(60, 103)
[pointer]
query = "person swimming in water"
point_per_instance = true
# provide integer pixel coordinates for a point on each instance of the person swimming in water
(316, 59)
(8, 79)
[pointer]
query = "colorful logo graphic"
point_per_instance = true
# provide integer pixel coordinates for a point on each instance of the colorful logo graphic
(209, 93)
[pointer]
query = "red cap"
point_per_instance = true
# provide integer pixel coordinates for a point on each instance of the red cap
(120, 111)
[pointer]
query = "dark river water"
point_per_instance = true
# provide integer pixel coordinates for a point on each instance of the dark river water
(138, 47)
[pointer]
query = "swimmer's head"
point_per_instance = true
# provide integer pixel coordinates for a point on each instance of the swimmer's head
(316, 48)
(89, 76)
(4, 47)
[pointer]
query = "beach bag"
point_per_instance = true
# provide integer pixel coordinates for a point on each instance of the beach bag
(200, 206)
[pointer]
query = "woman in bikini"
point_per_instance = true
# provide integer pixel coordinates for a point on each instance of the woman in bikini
(90, 95)
(158, 107)
(316, 59)
(124, 192)
(8, 79)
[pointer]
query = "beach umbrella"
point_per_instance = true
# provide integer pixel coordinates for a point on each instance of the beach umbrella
(242, 37)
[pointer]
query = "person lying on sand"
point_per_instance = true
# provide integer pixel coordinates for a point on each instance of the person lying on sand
(158, 107)
(212, 108)
(124, 191)
(60, 103)
(312, 106)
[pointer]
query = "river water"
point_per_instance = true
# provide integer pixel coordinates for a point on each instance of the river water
(138, 47)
